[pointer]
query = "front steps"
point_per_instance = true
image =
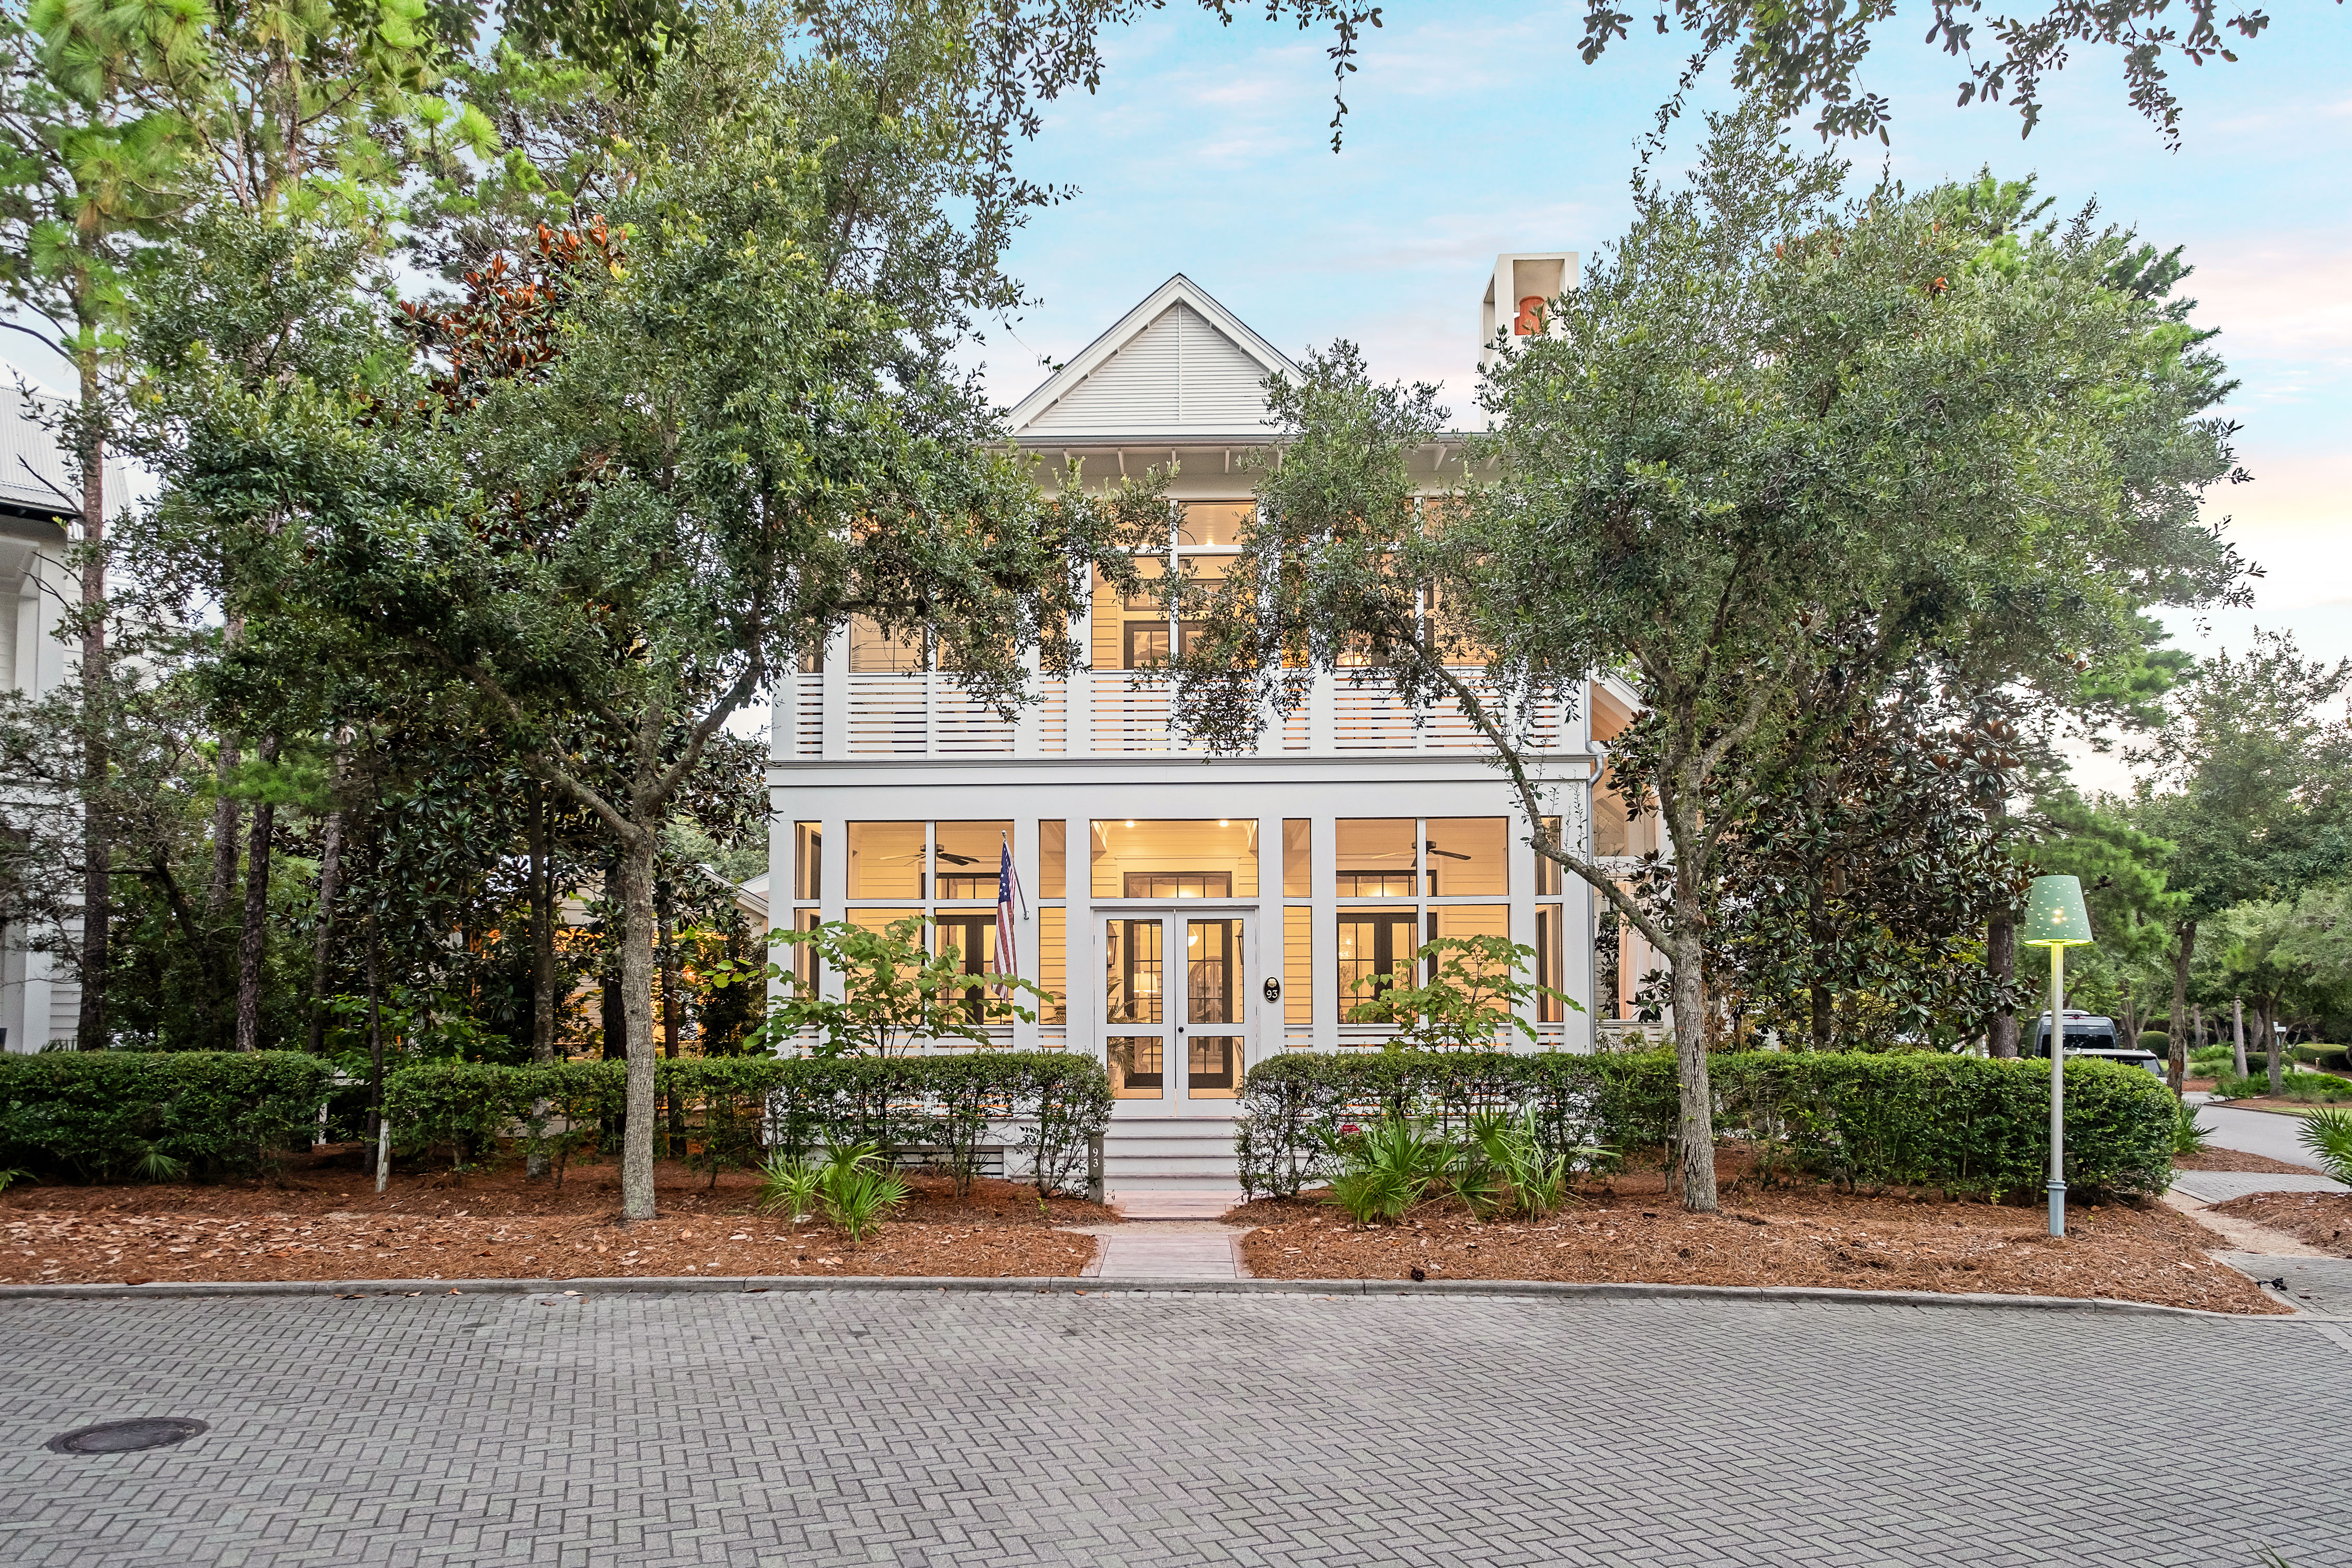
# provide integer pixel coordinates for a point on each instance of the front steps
(1170, 1154)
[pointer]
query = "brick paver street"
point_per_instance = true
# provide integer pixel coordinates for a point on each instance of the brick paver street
(1132, 1430)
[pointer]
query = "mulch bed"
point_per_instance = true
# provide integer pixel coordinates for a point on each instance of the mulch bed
(327, 1223)
(2237, 1160)
(1629, 1230)
(2322, 1220)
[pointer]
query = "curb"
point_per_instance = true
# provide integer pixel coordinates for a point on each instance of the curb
(786, 1285)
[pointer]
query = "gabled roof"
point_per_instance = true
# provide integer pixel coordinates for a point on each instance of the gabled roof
(1179, 366)
(36, 478)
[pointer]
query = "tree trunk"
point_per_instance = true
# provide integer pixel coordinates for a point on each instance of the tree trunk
(2184, 949)
(375, 1045)
(2271, 1043)
(252, 938)
(2238, 1033)
(90, 1029)
(542, 932)
(1823, 1026)
(2196, 1026)
(2000, 957)
(1695, 1125)
(543, 963)
(673, 1022)
(637, 936)
(330, 866)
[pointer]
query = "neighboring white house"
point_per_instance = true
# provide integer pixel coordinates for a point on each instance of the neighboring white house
(1197, 913)
(40, 512)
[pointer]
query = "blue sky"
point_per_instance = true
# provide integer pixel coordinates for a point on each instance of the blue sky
(1474, 129)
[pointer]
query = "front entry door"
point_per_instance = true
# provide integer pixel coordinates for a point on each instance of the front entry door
(1176, 1021)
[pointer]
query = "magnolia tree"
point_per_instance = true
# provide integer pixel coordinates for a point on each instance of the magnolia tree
(1772, 426)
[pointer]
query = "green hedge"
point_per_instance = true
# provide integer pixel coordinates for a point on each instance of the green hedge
(107, 1115)
(1965, 1124)
(2329, 1056)
(739, 1108)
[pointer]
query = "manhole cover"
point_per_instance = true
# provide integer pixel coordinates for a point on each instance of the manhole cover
(126, 1436)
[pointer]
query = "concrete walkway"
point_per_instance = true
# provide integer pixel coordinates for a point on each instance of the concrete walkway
(2220, 1186)
(1167, 1249)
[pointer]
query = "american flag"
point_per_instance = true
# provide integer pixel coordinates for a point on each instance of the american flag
(1008, 890)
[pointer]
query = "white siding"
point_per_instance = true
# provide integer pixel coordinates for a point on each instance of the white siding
(1178, 376)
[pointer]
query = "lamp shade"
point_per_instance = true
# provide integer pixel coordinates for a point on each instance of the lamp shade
(2054, 915)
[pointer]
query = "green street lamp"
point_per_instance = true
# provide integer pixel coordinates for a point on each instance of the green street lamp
(2055, 919)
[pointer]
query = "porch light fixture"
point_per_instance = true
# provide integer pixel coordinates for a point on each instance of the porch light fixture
(2055, 919)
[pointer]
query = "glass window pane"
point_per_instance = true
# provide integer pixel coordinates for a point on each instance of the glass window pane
(886, 859)
(1375, 950)
(1298, 862)
(1143, 645)
(1609, 823)
(1298, 968)
(1134, 1066)
(1550, 959)
(1213, 978)
(1053, 857)
(1468, 856)
(1212, 1066)
(1216, 523)
(1143, 860)
(805, 967)
(1547, 871)
(974, 936)
(808, 861)
(1459, 921)
(873, 649)
(965, 857)
(1375, 859)
(1131, 971)
(1053, 967)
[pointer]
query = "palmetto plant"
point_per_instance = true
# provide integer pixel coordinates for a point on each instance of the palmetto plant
(1387, 1168)
(1529, 1179)
(856, 1189)
(2190, 1136)
(789, 1181)
(2328, 1135)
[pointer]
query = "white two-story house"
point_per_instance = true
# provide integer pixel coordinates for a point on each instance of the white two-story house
(1194, 913)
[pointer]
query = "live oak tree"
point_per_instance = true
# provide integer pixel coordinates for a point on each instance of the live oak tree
(701, 436)
(2249, 787)
(1770, 422)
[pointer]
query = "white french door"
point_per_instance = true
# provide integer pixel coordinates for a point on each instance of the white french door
(1176, 1016)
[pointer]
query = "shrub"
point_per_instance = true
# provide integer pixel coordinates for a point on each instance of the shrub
(2155, 1040)
(2328, 1057)
(2312, 1088)
(743, 1110)
(2328, 1135)
(1966, 1124)
(107, 1115)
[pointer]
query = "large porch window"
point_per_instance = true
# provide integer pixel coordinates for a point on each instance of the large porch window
(1174, 860)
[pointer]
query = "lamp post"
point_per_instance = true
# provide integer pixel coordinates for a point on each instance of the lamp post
(2055, 919)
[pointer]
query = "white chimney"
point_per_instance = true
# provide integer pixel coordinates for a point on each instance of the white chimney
(1518, 296)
